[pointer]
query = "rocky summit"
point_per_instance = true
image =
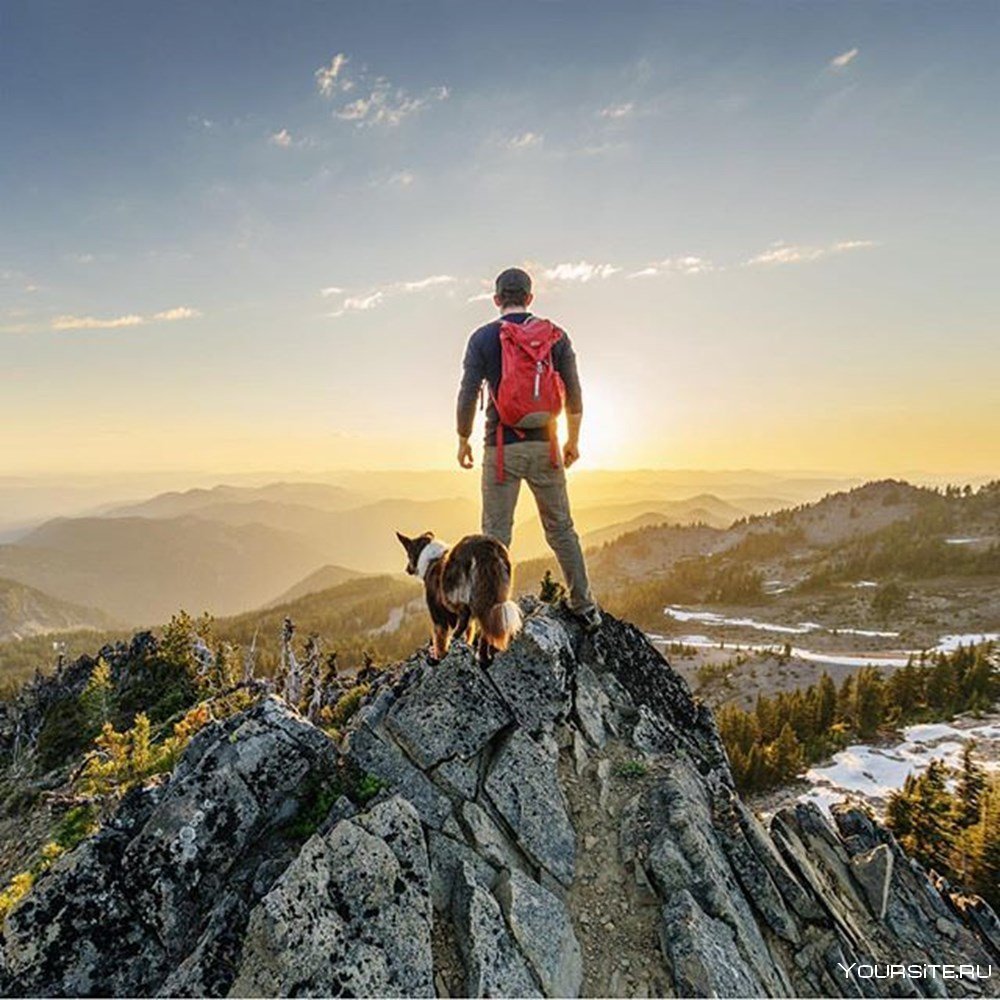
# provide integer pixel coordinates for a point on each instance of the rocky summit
(561, 823)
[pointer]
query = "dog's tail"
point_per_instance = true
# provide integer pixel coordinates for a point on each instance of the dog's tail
(501, 623)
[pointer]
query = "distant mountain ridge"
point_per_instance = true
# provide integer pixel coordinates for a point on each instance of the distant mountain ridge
(26, 611)
(322, 579)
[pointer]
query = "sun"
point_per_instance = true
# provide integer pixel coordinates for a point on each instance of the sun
(605, 423)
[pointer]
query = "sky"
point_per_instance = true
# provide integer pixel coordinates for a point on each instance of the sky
(247, 235)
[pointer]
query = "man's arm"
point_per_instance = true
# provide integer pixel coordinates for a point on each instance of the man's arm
(564, 359)
(472, 378)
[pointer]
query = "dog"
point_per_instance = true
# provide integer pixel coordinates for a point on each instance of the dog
(466, 583)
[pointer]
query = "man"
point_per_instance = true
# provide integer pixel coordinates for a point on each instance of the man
(527, 454)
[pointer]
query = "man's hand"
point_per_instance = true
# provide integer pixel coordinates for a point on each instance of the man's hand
(571, 450)
(464, 453)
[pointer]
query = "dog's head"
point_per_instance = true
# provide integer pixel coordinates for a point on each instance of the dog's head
(414, 546)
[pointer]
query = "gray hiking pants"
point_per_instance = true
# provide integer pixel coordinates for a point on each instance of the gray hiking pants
(530, 461)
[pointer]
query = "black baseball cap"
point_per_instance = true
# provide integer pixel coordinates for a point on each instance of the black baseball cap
(513, 280)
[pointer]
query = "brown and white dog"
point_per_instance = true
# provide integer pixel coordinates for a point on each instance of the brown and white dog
(468, 582)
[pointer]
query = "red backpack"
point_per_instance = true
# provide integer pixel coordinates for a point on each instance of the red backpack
(531, 391)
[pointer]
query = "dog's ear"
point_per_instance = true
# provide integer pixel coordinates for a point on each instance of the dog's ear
(429, 535)
(404, 541)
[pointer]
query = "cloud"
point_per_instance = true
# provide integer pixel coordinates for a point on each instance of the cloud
(602, 148)
(689, 264)
(434, 279)
(790, 253)
(282, 138)
(401, 178)
(376, 296)
(364, 303)
(525, 140)
(327, 76)
(614, 111)
(69, 322)
(379, 103)
(844, 59)
(480, 297)
(853, 245)
(93, 323)
(178, 312)
(580, 271)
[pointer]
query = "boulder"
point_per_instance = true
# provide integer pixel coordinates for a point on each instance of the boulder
(494, 966)
(351, 916)
(523, 787)
(541, 926)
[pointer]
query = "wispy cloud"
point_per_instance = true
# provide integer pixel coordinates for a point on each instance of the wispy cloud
(399, 179)
(363, 302)
(373, 297)
(178, 312)
(380, 102)
(525, 140)
(580, 271)
(282, 138)
(615, 111)
(689, 264)
(69, 322)
(844, 59)
(602, 148)
(791, 253)
(434, 279)
(328, 79)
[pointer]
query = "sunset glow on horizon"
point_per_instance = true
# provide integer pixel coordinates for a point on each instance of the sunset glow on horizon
(259, 235)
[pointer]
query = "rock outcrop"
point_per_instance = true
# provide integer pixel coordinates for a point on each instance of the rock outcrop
(561, 823)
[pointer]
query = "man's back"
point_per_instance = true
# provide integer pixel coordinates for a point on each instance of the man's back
(483, 363)
(525, 454)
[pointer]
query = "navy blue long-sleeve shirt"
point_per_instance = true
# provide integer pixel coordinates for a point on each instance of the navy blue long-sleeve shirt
(483, 363)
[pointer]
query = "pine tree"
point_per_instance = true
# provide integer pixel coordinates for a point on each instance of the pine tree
(96, 699)
(826, 704)
(869, 705)
(933, 828)
(984, 873)
(788, 758)
(969, 790)
(551, 590)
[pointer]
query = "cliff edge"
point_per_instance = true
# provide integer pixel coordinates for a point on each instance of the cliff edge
(562, 823)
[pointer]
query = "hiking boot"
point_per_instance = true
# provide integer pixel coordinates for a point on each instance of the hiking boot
(590, 619)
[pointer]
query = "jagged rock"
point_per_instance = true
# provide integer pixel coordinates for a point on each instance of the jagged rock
(385, 760)
(458, 777)
(448, 856)
(873, 870)
(531, 679)
(542, 928)
(591, 705)
(130, 904)
(493, 964)
(685, 854)
(702, 952)
(434, 723)
(487, 840)
(351, 916)
(463, 871)
(523, 786)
